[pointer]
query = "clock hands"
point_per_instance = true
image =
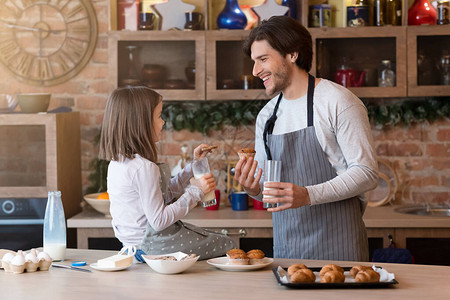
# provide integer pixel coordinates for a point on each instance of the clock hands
(54, 31)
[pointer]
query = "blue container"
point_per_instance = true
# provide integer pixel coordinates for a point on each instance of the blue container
(231, 17)
(292, 8)
(239, 201)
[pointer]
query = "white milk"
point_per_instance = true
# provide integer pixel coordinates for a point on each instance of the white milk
(209, 196)
(56, 251)
(268, 189)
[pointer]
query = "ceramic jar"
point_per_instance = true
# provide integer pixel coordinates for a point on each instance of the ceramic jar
(421, 13)
(231, 17)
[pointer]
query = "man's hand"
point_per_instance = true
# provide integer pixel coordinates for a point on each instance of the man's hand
(289, 194)
(244, 173)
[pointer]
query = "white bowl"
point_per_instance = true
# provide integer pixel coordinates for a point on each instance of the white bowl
(100, 205)
(170, 266)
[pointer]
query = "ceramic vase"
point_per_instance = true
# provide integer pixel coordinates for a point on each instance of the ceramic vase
(231, 17)
(421, 13)
(292, 8)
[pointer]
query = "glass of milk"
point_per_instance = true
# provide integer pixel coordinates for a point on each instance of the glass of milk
(272, 173)
(200, 168)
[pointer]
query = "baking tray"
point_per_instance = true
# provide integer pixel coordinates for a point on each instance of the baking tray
(337, 285)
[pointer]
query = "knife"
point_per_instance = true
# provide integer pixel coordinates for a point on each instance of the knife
(70, 267)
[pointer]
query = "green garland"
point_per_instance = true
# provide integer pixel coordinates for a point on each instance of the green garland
(205, 117)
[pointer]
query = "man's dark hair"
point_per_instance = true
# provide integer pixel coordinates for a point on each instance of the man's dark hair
(285, 35)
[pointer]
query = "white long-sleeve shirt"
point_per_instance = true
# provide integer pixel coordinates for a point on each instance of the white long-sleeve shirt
(343, 130)
(136, 198)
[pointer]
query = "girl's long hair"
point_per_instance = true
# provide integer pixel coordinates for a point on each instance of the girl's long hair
(128, 124)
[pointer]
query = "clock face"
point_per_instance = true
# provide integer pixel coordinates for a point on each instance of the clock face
(46, 42)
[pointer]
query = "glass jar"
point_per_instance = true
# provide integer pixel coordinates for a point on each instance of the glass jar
(443, 8)
(444, 68)
(386, 75)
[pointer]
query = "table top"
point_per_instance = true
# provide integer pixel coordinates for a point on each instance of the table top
(374, 217)
(203, 281)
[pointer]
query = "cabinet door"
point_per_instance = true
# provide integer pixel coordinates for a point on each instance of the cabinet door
(228, 69)
(363, 49)
(175, 62)
(428, 60)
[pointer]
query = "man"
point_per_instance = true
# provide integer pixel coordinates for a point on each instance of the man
(320, 132)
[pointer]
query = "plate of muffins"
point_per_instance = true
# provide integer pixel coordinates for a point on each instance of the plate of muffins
(239, 260)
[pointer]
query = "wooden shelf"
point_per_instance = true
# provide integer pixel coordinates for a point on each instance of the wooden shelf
(171, 49)
(438, 39)
(364, 47)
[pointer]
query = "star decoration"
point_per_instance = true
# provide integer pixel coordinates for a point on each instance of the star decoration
(172, 13)
(270, 8)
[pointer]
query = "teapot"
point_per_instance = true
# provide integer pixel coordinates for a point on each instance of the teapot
(348, 77)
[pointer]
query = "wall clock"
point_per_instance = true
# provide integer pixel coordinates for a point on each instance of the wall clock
(46, 42)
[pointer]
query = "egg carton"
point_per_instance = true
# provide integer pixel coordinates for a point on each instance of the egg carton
(21, 261)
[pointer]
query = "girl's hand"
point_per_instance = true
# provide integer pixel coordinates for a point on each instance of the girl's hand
(206, 183)
(199, 153)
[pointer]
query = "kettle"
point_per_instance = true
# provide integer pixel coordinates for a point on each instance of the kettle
(348, 77)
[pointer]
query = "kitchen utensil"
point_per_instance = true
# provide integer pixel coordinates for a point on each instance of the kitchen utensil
(170, 266)
(71, 268)
(34, 103)
(100, 205)
(238, 201)
(200, 168)
(222, 263)
(387, 185)
(272, 173)
(7, 103)
(349, 77)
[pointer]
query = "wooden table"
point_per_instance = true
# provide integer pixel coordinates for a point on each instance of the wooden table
(203, 281)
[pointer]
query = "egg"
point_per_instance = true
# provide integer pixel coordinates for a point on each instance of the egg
(6, 261)
(45, 261)
(18, 263)
(31, 262)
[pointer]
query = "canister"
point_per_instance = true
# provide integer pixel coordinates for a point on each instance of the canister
(443, 12)
(320, 15)
(357, 16)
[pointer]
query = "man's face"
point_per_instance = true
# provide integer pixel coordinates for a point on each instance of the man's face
(271, 67)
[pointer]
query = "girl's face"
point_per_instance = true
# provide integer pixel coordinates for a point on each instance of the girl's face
(158, 122)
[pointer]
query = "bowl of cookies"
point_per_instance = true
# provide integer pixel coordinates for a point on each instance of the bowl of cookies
(171, 263)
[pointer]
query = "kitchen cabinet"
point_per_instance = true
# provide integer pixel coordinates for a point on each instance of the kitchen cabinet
(427, 45)
(172, 52)
(223, 72)
(41, 153)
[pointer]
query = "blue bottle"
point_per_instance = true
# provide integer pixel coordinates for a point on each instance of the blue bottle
(292, 8)
(55, 227)
(231, 17)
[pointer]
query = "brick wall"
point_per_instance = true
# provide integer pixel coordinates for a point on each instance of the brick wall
(419, 154)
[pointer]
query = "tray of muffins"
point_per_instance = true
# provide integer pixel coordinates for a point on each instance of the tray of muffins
(332, 276)
(238, 260)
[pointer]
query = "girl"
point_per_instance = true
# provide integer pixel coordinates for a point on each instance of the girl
(140, 190)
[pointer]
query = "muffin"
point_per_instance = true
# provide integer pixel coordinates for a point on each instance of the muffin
(256, 256)
(237, 257)
(246, 152)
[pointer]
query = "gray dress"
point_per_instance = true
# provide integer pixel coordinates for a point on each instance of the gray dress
(330, 231)
(183, 236)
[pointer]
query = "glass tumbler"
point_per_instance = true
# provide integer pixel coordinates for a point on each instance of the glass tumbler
(272, 173)
(200, 168)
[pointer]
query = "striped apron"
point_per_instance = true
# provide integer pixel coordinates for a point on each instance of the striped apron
(330, 231)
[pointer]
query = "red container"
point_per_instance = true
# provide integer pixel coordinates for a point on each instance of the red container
(215, 207)
(258, 205)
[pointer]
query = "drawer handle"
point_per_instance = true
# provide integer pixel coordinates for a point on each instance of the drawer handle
(241, 232)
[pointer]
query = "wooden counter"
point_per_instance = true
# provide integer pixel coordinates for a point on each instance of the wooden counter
(203, 281)
(380, 221)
